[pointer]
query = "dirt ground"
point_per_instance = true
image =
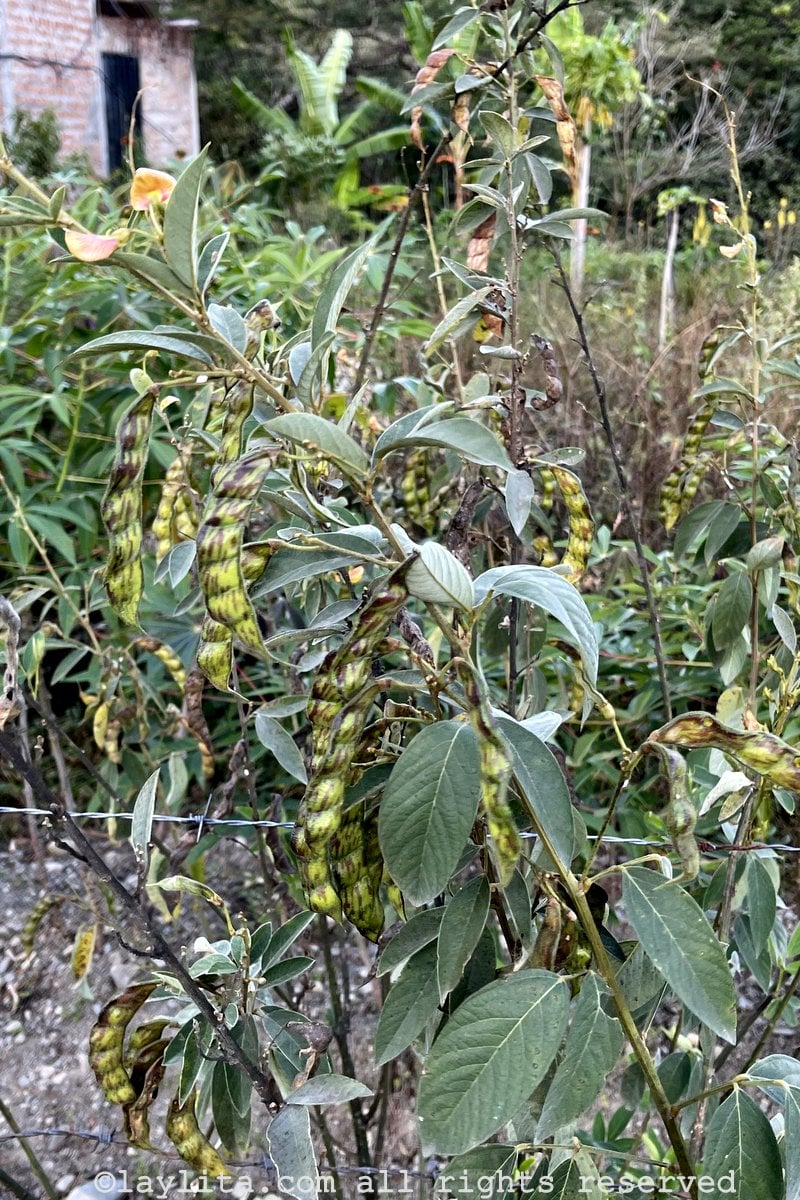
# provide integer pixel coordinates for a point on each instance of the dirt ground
(48, 1091)
(46, 1083)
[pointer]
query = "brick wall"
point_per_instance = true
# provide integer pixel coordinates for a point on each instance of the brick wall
(50, 57)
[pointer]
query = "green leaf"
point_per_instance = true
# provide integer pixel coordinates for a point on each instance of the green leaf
(307, 429)
(142, 821)
(150, 268)
(294, 566)
(429, 805)
(180, 221)
(403, 427)
(519, 497)
(272, 735)
(418, 932)
(500, 131)
(761, 902)
(467, 1175)
(337, 287)
(229, 324)
(282, 972)
(553, 593)
(451, 320)
(413, 1000)
(227, 1088)
(488, 1059)
(741, 1146)
(787, 1070)
(591, 1051)
(542, 782)
(675, 1073)
(286, 936)
(785, 627)
(209, 259)
(328, 1089)
(313, 369)
(292, 1152)
(642, 983)
(732, 610)
(677, 936)
(463, 17)
(438, 577)
(467, 437)
(140, 339)
(720, 530)
(462, 925)
(729, 387)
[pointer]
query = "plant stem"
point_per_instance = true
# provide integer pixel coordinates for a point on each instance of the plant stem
(622, 479)
(394, 258)
(29, 1153)
(606, 969)
(158, 947)
(340, 1036)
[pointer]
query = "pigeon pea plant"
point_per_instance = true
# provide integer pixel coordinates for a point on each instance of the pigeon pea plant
(291, 533)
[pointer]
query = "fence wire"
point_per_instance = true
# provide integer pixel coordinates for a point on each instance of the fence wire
(201, 822)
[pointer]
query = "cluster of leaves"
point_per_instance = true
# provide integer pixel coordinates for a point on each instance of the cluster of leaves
(301, 562)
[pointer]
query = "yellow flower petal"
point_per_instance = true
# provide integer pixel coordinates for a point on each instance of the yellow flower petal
(730, 251)
(150, 187)
(91, 247)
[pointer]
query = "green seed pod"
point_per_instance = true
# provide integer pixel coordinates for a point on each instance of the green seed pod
(496, 768)
(34, 921)
(361, 901)
(238, 406)
(176, 519)
(121, 510)
(106, 1043)
(549, 489)
(220, 544)
(415, 489)
(680, 816)
(687, 471)
(146, 1075)
(215, 653)
(166, 655)
(581, 525)
(553, 387)
(194, 1148)
(762, 752)
(548, 938)
(546, 551)
(338, 709)
(143, 1037)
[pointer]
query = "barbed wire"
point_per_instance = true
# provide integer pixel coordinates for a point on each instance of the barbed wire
(200, 821)
(108, 1137)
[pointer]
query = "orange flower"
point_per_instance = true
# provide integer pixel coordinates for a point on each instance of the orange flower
(150, 187)
(92, 247)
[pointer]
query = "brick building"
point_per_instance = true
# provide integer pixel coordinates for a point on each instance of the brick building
(87, 60)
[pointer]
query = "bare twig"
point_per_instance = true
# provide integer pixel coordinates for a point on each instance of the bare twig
(622, 479)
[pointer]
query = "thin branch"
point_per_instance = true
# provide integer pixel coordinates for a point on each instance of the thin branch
(622, 479)
(159, 948)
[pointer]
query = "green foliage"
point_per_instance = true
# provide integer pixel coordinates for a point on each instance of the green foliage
(436, 705)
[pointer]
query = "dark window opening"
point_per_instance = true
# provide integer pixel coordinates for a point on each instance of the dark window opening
(121, 82)
(124, 8)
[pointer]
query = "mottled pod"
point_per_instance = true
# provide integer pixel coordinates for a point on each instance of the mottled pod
(220, 545)
(762, 752)
(496, 769)
(581, 525)
(106, 1043)
(186, 1136)
(121, 510)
